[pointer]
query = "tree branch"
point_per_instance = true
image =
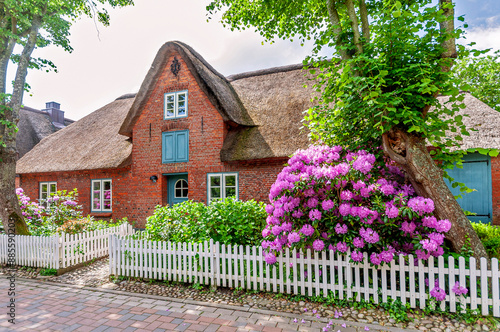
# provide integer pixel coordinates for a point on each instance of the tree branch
(447, 29)
(386, 146)
(365, 26)
(20, 80)
(337, 28)
(351, 11)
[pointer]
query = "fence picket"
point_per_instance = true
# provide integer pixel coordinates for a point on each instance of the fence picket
(484, 286)
(473, 288)
(495, 287)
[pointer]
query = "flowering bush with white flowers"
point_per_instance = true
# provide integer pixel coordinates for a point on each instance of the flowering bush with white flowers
(330, 198)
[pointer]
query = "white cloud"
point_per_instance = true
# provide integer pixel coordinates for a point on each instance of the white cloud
(488, 37)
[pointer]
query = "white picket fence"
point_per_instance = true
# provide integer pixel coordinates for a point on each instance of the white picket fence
(312, 274)
(59, 251)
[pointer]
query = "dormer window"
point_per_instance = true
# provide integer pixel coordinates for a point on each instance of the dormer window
(176, 104)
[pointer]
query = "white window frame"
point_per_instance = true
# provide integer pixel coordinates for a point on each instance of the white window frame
(101, 195)
(176, 104)
(182, 188)
(49, 192)
(222, 177)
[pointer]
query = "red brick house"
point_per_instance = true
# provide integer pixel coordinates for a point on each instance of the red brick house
(189, 132)
(192, 133)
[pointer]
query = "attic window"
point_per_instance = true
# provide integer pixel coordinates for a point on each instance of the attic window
(176, 104)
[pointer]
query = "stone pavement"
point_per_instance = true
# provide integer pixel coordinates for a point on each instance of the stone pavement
(45, 306)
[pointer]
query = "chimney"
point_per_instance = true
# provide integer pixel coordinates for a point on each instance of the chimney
(54, 110)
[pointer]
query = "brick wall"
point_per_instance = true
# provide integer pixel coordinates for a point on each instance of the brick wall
(207, 131)
(81, 180)
(495, 189)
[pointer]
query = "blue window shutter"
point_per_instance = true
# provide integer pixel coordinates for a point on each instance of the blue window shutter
(168, 148)
(182, 146)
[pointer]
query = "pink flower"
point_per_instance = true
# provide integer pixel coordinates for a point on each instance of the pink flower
(344, 209)
(340, 229)
(459, 290)
(314, 214)
(342, 246)
(293, 237)
(270, 258)
(375, 259)
(307, 230)
(318, 245)
(438, 294)
(327, 205)
(358, 242)
(357, 256)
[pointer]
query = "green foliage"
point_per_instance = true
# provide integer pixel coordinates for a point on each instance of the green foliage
(391, 71)
(48, 272)
(229, 221)
(490, 236)
(88, 224)
(481, 76)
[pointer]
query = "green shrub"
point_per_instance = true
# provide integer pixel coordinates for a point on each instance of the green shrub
(490, 236)
(229, 222)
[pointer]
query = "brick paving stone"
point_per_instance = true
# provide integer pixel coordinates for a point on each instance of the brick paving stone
(46, 307)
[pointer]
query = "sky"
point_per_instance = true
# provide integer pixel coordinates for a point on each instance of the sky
(108, 62)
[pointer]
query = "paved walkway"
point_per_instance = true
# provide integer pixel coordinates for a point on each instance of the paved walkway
(43, 306)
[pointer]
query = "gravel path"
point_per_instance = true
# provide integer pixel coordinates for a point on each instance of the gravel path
(96, 275)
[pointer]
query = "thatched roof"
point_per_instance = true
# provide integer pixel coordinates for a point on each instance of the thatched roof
(90, 143)
(481, 117)
(34, 125)
(275, 99)
(213, 84)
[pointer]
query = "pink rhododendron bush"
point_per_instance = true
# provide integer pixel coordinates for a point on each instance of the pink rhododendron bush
(330, 198)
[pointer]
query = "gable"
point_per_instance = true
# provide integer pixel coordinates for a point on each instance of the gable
(215, 86)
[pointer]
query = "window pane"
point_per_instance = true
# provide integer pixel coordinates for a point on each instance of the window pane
(107, 194)
(230, 180)
(44, 195)
(178, 193)
(107, 185)
(215, 193)
(215, 181)
(185, 192)
(107, 205)
(181, 97)
(181, 111)
(170, 99)
(44, 188)
(97, 185)
(53, 188)
(230, 192)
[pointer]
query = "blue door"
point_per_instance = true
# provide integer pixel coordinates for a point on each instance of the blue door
(476, 174)
(177, 189)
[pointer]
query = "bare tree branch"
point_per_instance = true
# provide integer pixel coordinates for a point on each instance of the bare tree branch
(365, 26)
(386, 145)
(337, 28)
(353, 18)
(447, 30)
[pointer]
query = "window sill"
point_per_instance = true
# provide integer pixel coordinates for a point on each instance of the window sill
(101, 214)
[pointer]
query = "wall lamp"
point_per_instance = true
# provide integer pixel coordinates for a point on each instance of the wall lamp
(153, 178)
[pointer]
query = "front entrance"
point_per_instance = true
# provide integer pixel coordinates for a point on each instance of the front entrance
(177, 189)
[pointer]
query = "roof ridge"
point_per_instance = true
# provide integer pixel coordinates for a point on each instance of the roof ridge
(267, 71)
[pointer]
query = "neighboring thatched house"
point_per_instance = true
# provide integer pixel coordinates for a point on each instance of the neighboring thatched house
(34, 125)
(189, 132)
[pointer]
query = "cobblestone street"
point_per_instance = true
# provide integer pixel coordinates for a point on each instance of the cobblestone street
(43, 306)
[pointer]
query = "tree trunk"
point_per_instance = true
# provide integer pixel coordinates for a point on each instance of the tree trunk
(411, 153)
(10, 213)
